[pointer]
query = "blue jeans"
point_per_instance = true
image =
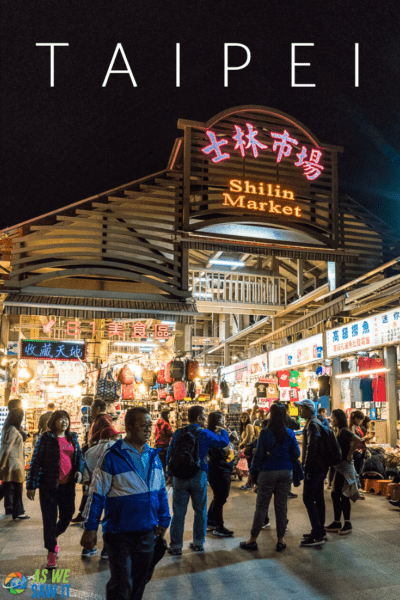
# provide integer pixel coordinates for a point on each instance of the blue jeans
(184, 489)
(313, 498)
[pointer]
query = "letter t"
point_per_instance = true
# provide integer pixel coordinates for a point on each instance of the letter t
(52, 45)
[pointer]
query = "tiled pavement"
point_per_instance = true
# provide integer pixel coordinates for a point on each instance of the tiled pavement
(362, 566)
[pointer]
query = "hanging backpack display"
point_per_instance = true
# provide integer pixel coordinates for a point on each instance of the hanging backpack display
(125, 376)
(191, 390)
(184, 460)
(179, 390)
(192, 370)
(128, 392)
(161, 375)
(211, 388)
(107, 389)
(167, 373)
(224, 387)
(149, 377)
(176, 370)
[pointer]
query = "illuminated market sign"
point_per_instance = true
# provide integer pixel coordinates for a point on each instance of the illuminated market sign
(248, 143)
(52, 350)
(366, 333)
(114, 328)
(261, 197)
(299, 353)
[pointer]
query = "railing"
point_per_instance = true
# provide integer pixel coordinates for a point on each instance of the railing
(237, 288)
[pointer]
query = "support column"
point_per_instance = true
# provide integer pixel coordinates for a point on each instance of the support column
(336, 399)
(300, 278)
(390, 362)
(227, 355)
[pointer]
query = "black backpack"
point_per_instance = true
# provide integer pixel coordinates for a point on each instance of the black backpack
(224, 387)
(184, 462)
(331, 448)
(176, 370)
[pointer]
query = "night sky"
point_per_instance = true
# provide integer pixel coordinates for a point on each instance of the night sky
(63, 144)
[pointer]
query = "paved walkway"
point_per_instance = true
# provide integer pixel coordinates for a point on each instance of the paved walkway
(362, 566)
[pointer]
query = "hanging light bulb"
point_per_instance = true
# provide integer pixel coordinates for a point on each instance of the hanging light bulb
(202, 372)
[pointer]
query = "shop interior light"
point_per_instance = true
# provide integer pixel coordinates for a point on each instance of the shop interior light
(51, 388)
(142, 388)
(133, 344)
(358, 373)
(4, 362)
(24, 404)
(202, 372)
(172, 323)
(227, 263)
(138, 370)
(76, 391)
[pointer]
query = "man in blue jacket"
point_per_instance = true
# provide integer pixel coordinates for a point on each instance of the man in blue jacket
(129, 484)
(195, 487)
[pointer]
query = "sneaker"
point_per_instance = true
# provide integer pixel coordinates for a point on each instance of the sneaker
(395, 503)
(196, 547)
(57, 549)
(334, 527)
(307, 535)
(347, 528)
(51, 560)
(266, 525)
(291, 495)
(252, 546)
(312, 541)
(89, 551)
(104, 555)
(222, 532)
(174, 551)
(78, 519)
(245, 487)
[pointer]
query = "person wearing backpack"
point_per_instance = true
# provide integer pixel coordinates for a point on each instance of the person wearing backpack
(315, 471)
(187, 465)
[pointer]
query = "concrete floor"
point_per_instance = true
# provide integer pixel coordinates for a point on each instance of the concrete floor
(361, 566)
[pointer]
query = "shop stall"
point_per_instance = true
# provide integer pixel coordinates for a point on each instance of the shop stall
(301, 372)
(367, 376)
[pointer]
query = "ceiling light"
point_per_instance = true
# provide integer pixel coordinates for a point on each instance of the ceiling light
(227, 263)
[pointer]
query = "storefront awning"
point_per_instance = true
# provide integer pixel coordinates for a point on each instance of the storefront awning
(98, 308)
(306, 322)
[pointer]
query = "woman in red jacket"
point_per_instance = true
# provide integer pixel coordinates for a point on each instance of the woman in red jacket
(163, 434)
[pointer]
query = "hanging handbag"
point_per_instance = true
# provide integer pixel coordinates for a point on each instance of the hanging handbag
(107, 389)
(161, 375)
(193, 370)
(179, 390)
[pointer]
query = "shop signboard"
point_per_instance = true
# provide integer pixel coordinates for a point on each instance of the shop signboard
(205, 341)
(258, 364)
(300, 353)
(52, 350)
(370, 332)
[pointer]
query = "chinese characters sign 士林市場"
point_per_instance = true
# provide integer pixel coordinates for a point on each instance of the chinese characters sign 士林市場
(373, 331)
(52, 350)
(247, 143)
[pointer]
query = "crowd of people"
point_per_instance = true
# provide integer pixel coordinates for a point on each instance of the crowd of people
(125, 480)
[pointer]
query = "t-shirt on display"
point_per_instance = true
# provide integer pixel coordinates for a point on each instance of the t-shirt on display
(284, 378)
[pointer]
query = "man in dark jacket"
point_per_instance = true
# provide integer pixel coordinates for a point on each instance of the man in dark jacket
(314, 474)
(101, 420)
(44, 417)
